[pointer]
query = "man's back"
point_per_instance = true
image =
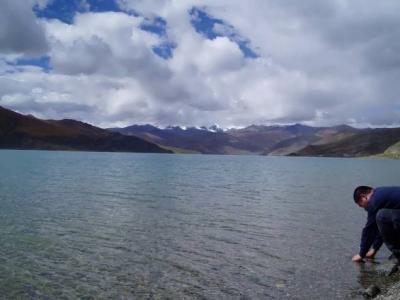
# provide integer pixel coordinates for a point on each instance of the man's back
(384, 197)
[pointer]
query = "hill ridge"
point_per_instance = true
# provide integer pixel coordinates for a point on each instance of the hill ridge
(295, 139)
(18, 131)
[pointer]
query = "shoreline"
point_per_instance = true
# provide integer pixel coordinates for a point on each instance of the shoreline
(392, 293)
(388, 284)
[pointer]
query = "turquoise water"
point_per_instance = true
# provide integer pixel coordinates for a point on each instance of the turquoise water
(150, 226)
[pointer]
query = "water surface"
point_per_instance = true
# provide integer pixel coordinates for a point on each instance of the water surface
(151, 226)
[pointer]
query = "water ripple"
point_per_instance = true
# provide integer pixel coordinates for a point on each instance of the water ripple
(136, 226)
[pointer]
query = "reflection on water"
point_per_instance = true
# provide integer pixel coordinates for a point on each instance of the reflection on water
(107, 225)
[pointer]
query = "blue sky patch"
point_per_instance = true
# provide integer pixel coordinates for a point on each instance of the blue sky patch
(247, 51)
(158, 26)
(42, 62)
(65, 10)
(103, 5)
(205, 25)
(165, 50)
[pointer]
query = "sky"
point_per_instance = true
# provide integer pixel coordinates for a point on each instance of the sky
(196, 63)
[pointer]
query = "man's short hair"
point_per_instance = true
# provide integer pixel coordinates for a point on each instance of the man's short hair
(361, 190)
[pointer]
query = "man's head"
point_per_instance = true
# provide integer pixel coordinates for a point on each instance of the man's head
(361, 195)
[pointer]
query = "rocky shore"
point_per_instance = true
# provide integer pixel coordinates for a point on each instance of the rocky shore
(387, 287)
(393, 293)
(380, 279)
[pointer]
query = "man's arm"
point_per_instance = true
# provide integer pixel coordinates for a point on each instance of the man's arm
(377, 242)
(376, 245)
(369, 236)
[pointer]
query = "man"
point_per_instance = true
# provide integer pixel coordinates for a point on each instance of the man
(383, 223)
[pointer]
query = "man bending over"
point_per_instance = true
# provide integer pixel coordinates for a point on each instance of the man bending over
(383, 223)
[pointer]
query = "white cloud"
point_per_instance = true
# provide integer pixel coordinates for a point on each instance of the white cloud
(317, 58)
(20, 32)
(113, 39)
(319, 62)
(219, 55)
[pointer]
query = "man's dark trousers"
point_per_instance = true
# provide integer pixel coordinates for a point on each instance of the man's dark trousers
(388, 221)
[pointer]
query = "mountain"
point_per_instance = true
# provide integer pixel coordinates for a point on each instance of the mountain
(296, 140)
(193, 139)
(18, 131)
(364, 143)
(255, 139)
(392, 152)
(27, 132)
(270, 139)
(313, 136)
(213, 140)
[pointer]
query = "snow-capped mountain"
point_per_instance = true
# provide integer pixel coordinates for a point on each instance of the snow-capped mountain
(254, 139)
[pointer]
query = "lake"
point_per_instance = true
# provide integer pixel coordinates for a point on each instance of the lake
(158, 226)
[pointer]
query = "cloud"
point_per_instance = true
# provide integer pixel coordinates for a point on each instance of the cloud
(110, 43)
(42, 4)
(20, 32)
(316, 62)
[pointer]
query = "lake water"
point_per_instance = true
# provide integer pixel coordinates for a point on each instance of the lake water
(150, 226)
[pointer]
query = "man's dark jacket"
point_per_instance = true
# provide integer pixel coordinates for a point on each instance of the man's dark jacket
(382, 197)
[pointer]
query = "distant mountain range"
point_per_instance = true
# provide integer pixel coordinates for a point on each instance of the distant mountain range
(295, 140)
(18, 131)
(27, 132)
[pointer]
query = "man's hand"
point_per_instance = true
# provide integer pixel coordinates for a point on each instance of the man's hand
(357, 258)
(371, 253)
